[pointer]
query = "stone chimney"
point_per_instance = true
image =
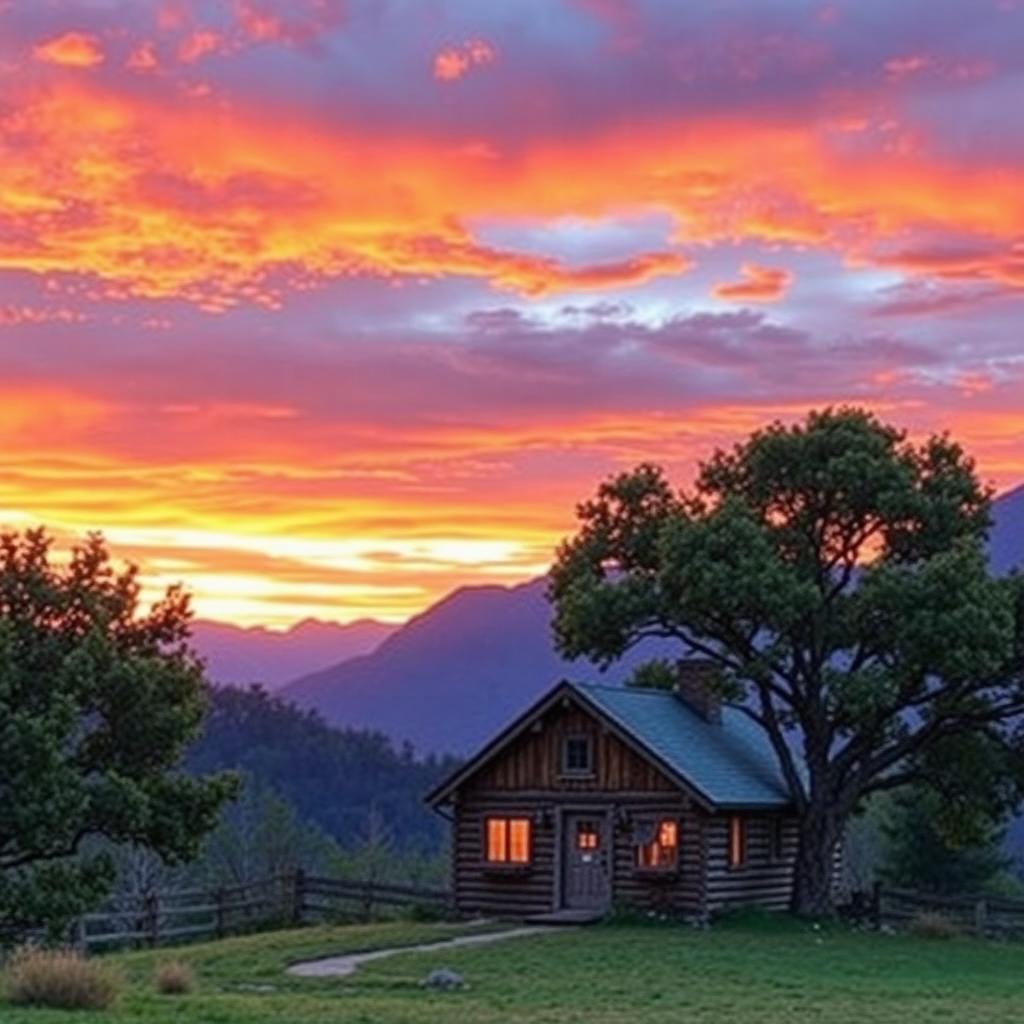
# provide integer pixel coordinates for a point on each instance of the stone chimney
(695, 685)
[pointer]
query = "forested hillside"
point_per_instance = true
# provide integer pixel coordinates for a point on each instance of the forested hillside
(346, 782)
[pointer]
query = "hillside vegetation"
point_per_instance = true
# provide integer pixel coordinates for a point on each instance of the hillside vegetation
(754, 971)
(335, 779)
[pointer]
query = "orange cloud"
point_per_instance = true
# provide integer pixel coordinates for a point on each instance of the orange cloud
(454, 61)
(72, 49)
(181, 200)
(759, 284)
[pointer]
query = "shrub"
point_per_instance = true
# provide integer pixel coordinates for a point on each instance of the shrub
(174, 978)
(929, 924)
(427, 912)
(62, 979)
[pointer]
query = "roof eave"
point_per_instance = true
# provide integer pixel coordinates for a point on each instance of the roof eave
(442, 793)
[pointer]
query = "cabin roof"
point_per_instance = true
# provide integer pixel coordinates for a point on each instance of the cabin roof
(728, 765)
(731, 764)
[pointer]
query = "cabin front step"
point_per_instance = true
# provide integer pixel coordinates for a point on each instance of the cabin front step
(567, 917)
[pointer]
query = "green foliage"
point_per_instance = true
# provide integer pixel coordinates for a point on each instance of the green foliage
(922, 854)
(333, 778)
(259, 836)
(656, 674)
(836, 573)
(97, 703)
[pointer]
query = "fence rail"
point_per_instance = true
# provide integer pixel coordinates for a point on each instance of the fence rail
(979, 915)
(155, 918)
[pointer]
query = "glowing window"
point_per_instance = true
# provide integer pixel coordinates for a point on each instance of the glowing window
(658, 844)
(737, 841)
(588, 836)
(508, 841)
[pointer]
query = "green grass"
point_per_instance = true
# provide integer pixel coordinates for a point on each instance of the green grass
(748, 970)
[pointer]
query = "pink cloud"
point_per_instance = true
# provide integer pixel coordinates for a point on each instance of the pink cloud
(142, 58)
(453, 62)
(901, 67)
(197, 45)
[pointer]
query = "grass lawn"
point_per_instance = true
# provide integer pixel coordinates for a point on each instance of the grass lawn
(739, 972)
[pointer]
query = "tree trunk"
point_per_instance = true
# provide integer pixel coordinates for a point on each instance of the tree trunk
(812, 873)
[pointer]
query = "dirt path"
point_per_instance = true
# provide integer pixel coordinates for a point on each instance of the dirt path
(340, 966)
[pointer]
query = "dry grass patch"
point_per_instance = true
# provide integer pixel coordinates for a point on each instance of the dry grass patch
(60, 979)
(174, 978)
(928, 924)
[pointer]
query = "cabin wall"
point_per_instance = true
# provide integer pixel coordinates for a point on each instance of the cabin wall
(497, 890)
(677, 892)
(534, 761)
(527, 780)
(763, 880)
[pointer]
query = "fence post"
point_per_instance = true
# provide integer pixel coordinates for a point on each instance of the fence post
(79, 935)
(219, 919)
(152, 927)
(298, 896)
(876, 905)
(368, 900)
(981, 917)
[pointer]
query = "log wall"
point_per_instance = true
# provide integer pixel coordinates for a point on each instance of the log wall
(763, 879)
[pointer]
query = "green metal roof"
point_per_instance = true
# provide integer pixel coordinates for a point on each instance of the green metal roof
(732, 764)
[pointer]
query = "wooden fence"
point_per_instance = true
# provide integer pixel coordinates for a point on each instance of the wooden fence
(173, 916)
(978, 915)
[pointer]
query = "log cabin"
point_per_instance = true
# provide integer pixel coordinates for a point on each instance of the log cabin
(600, 796)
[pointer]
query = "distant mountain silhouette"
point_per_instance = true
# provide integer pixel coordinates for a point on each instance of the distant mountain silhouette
(1006, 541)
(453, 675)
(258, 655)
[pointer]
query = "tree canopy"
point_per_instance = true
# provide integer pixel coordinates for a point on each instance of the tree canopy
(836, 573)
(97, 703)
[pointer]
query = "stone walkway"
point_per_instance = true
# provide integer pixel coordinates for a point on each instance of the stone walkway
(341, 966)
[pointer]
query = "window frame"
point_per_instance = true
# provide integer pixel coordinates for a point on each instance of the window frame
(737, 838)
(577, 773)
(506, 863)
(669, 868)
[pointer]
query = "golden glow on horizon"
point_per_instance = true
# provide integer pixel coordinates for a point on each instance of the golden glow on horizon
(254, 552)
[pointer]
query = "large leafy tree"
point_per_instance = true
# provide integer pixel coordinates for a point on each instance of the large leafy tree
(97, 702)
(836, 574)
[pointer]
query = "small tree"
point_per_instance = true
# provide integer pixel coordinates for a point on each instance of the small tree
(96, 705)
(920, 854)
(261, 836)
(836, 573)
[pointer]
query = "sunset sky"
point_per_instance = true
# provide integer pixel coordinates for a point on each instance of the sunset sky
(326, 307)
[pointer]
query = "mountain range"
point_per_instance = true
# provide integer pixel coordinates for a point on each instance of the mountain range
(238, 656)
(452, 675)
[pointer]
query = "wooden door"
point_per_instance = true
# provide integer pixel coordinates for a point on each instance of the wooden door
(586, 861)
